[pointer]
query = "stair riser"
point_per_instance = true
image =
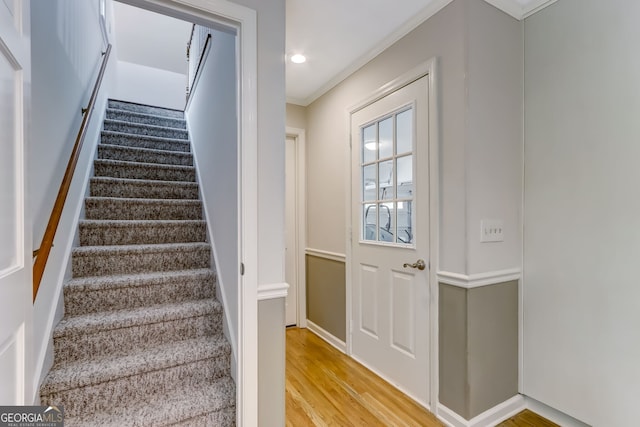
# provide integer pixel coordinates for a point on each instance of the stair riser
(109, 235)
(142, 171)
(127, 154)
(122, 341)
(136, 388)
(144, 190)
(145, 142)
(130, 263)
(126, 209)
(84, 302)
(136, 129)
(134, 117)
(145, 109)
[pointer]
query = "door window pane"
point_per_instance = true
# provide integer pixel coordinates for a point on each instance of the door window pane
(405, 177)
(369, 187)
(404, 132)
(405, 221)
(386, 180)
(385, 138)
(369, 144)
(370, 224)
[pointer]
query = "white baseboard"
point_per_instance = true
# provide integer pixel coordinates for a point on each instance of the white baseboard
(552, 414)
(336, 342)
(489, 418)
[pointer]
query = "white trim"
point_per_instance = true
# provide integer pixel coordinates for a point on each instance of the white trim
(520, 11)
(327, 336)
(479, 279)
(301, 221)
(552, 414)
(335, 256)
(429, 69)
(272, 291)
(433, 7)
(490, 417)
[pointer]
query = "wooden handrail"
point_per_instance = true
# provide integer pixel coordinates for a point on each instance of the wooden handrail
(42, 253)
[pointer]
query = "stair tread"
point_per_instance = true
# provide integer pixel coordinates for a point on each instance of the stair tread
(170, 408)
(89, 372)
(147, 201)
(124, 223)
(153, 116)
(148, 248)
(81, 284)
(110, 320)
(145, 150)
(155, 182)
(145, 126)
(149, 137)
(143, 165)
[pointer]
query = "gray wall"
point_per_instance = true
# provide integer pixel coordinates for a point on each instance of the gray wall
(478, 347)
(582, 213)
(296, 116)
(271, 363)
(212, 121)
(326, 298)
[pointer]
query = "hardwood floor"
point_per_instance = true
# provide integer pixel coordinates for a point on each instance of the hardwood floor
(324, 387)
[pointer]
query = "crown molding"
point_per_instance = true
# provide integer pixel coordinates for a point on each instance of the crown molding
(518, 10)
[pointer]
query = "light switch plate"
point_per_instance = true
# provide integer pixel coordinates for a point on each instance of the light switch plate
(491, 230)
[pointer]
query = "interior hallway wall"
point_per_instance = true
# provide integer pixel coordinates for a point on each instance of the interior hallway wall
(582, 213)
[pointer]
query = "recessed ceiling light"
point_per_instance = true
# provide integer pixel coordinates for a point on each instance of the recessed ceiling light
(298, 58)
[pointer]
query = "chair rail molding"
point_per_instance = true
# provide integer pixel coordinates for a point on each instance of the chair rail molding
(477, 280)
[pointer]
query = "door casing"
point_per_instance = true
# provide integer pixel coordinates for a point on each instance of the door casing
(300, 222)
(427, 69)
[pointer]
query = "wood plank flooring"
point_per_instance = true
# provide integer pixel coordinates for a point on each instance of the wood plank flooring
(324, 387)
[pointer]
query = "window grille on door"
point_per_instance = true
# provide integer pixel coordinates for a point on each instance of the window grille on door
(387, 196)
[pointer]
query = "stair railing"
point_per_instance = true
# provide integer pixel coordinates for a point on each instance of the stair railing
(41, 254)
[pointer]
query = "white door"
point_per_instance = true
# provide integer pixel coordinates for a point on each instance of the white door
(15, 245)
(390, 222)
(291, 249)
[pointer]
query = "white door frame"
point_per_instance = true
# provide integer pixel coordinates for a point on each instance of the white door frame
(301, 221)
(223, 13)
(428, 69)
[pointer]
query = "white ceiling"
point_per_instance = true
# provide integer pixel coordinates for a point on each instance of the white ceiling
(339, 36)
(151, 39)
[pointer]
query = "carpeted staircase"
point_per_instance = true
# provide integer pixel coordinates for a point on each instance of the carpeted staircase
(141, 340)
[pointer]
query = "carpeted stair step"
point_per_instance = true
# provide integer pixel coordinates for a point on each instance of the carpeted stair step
(102, 384)
(121, 332)
(145, 109)
(115, 232)
(144, 155)
(149, 171)
(145, 118)
(140, 129)
(144, 189)
(152, 209)
(202, 405)
(121, 292)
(155, 143)
(131, 259)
